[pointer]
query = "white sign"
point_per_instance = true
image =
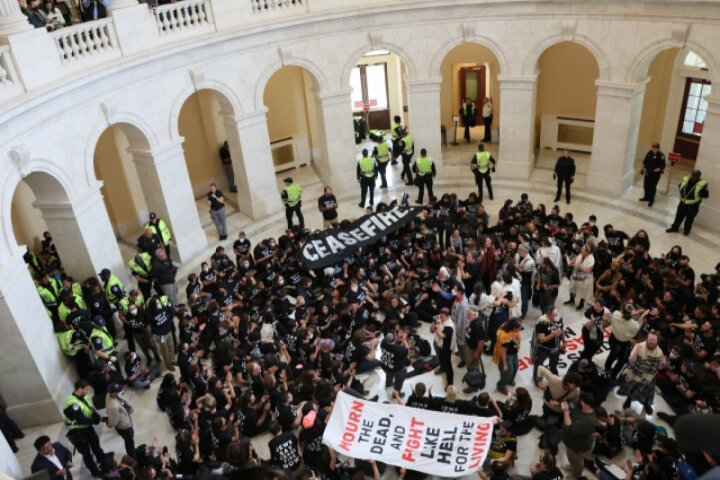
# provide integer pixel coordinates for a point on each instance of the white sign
(441, 444)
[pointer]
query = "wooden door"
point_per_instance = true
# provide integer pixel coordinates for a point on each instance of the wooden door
(472, 84)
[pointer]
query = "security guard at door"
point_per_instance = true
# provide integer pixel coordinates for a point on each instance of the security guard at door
(160, 228)
(79, 417)
(480, 165)
(692, 190)
(425, 169)
(140, 268)
(408, 150)
(382, 157)
(292, 197)
(366, 172)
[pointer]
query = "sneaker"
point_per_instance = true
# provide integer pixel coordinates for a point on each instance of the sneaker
(462, 364)
(627, 402)
(569, 302)
(439, 371)
(648, 408)
(643, 199)
(672, 230)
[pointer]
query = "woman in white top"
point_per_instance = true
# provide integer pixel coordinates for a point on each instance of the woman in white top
(52, 15)
(581, 280)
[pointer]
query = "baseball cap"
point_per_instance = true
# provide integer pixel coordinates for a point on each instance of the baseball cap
(445, 310)
(104, 271)
(287, 179)
(153, 216)
(115, 388)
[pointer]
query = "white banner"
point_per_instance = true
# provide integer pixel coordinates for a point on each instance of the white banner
(442, 444)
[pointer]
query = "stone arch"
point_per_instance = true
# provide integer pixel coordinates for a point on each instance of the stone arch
(133, 125)
(529, 66)
(481, 40)
(226, 96)
(264, 77)
(639, 66)
(410, 67)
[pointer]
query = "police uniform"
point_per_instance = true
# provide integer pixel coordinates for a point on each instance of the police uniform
(140, 268)
(79, 417)
(292, 198)
(408, 150)
(366, 172)
(382, 157)
(480, 165)
(160, 228)
(468, 112)
(50, 295)
(102, 342)
(396, 130)
(424, 168)
(691, 194)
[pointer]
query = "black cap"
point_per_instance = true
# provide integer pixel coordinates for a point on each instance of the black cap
(153, 216)
(115, 388)
(288, 180)
(104, 272)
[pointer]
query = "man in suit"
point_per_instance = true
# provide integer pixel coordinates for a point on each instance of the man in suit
(53, 457)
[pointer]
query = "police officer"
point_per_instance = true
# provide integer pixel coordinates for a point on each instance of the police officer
(74, 344)
(480, 165)
(160, 228)
(49, 290)
(149, 242)
(79, 417)
(653, 168)
(73, 291)
(292, 198)
(366, 172)
(394, 361)
(396, 134)
(468, 112)
(692, 190)
(159, 315)
(382, 157)
(564, 173)
(141, 268)
(408, 150)
(114, 290)
(424, 168)
(102, 343)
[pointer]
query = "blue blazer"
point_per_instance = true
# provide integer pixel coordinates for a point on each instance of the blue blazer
(41, 463)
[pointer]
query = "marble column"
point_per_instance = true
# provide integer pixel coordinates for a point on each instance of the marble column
(12, 20)
(35, 377)
(249, 144)
(516, 156)
(9, 463)
(424, 118)
(337, 165)
(708, 164)
(84, 235)
(614, 147)
(168, 192)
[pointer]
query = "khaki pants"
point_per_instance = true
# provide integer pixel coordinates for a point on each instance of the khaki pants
(164, 344)
(577, 460)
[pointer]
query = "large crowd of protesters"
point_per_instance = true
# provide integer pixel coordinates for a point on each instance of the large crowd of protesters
(264, 344)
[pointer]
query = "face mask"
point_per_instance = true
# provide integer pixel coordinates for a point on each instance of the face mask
(272, 244)
(206, 269)
(133, 311)
(246, 264)
(365, 316)
(354, 288)
(281, 283)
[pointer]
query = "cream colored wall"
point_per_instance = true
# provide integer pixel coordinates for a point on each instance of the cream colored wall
(312, 113)
(27, 221)
(566, 84)
(122, 191)
(201, 126)
(656, 98)
(466, 55)
(284, 97)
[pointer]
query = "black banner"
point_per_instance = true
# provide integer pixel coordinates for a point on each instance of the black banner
(331, 246)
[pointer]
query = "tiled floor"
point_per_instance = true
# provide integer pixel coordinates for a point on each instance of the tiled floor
(625, 213)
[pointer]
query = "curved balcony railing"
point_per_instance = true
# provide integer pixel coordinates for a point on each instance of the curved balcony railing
(91, 40)
(184, 16)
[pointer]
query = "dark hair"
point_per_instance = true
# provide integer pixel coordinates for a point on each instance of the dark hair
(40, 442)
(81, 383)
(588, 398)
(274, 427)
(572, 377)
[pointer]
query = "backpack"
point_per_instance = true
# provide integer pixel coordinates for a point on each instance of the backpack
(476, 378)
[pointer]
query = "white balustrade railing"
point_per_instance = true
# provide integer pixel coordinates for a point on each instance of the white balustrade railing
(260, 6)
(85, 40)
(183, 16)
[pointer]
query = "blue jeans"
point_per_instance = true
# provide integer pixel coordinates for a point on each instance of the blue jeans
(143, 380)
(367, 365)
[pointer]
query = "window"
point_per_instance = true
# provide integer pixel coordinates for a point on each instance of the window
(693, 60)
(695, 106)
(369, 87)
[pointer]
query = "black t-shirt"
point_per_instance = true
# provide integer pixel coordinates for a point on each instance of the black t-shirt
(394, 356)
(285, 415)
(616, 240)
(214, 203)
(284, 451)
(323, 202)
(511, 346)
(546, 327)
(705, 344)
(475, 333)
